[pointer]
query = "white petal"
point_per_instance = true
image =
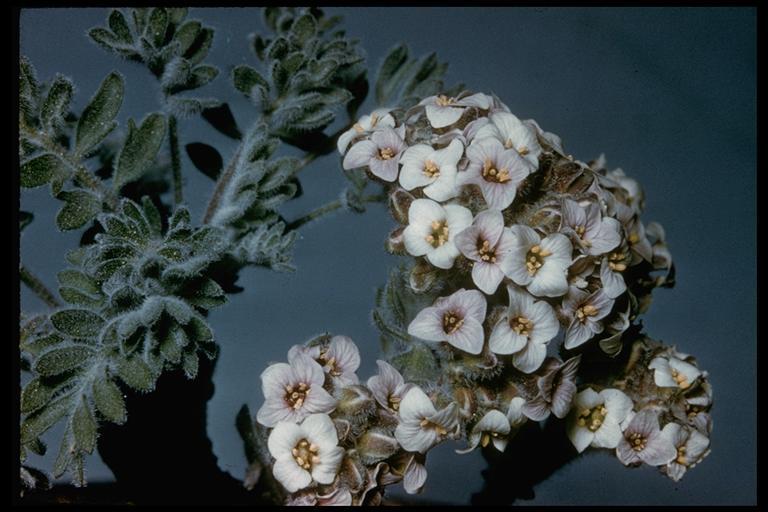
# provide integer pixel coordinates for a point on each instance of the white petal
(415, 406)
(413, 438)
(515, 412)
(504, 340)
(551, 280)
(307, 370)
(466, 242)
(580, 437)
(498, 195)
(415, 239)
(284, 438)
(491, 224)
(320, 430)
(385, 169)
(360, 155)
(457, 217)
(415, 476)
(493, 421)
(275, 378)
(290, 475)
(607, 238)
(577, 334)
(444, 256)
(440, 117)
(487, 276)
(325, 471)
(662, 375)
(445, 187)
(428, 325)
(425, 211)
(545, 324)
(588, 398)
(560, 247)
(520, 301)
(412, 176)
(608, 435)
(530, 358)
(469, 337)
(318, 400)
(613, 282)
(344, 140)
(617, 404)
(689, 371)
(471, 302)
(345, 352)
(273, 411)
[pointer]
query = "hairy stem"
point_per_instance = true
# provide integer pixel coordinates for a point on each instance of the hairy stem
(173, 139)
(221, 185)
(37, 286)
(326, 209)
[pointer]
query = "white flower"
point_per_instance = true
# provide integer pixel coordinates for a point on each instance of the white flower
(388, 387)
(340, 358)
(638, 242)
(492, 428)
(592, 232)
(541, 265)
(378, 119)
(691, 445)
(443, 111)
(586, 312)
(457, 319)
(293, 391)
(380, 153)
(497, 171)
(488, 243)
(432, 228)
(435, 170)
(305, 452)
(550, 138)
(415, 475)
(611, 269)
(673, 372)
(642, 441)
(596, 419)
(422, 426)
(515, 413)
(524, 330)
(513, 134)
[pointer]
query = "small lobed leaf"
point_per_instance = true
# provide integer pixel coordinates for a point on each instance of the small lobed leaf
(120, 27)
(304, 28)
(199, 49)
(245, 78)
(80, 207)
(41, 170)
(56, 104)
(186, 35)
(140, 149)
(109, 400)
(98, 117)
(78, 323)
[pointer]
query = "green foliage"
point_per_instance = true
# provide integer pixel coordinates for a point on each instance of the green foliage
(98, 117)
(140, 148)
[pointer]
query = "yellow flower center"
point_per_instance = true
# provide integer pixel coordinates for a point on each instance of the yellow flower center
(333, 369)
(681, 459)
(682, 380)
(295, 395)
(394, 402)
(439, 234)
(305, 454)
(521, 325)
(637, 441)
(426, 424)
(452, 322)
(386, 153)
(535, 258)
(585, 312)
(486, 252)
(445, 101)
(617, 262)
(431, 169)
(592, 418)
(494, 175)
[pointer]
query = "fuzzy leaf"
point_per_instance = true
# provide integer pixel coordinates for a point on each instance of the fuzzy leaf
(109, 400)
(205, 158)
(41, 170)
(186, 35)
(35, 395)
(190, 363)
(245, 78)
(136, 373)
(80, 207)
(37, 423)
(98, 117)
(84, 427)
(185, 108)
(120, 27)
(303, 29)
(78, 323)
(391, 68)
(56, 104)
(60, 360)
(141, 147)
(157, 25)
(199, 50)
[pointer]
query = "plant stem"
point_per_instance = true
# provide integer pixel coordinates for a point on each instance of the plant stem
(326, 209)
(221, 185)
(37, 286)
(173, 139)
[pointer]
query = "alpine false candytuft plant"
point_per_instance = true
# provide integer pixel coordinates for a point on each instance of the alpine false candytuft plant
(518, 301)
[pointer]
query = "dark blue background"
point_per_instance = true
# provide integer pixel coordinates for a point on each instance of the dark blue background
(668, 94)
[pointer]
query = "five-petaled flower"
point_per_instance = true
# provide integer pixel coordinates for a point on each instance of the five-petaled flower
(586, 312)
(596, 418)
(376, 120)
(293, 391)
(388, 387)
(642, 441)
(524, 330)
(432, 229)
(496, 170)
(541, 265)
(340, 358)
(513, 134)
(380, 153)
(305, 452)
(421, 425)
(433, 169)
(456, 319)
(488, 244)
(592, 232)
(444, 111)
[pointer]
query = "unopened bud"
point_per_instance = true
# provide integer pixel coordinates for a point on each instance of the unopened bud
(395, 243)
(374, 446)
(399, 202)
(422, 277)
(465, 397)
(355, 401)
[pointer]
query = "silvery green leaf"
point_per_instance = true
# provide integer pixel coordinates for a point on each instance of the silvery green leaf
(80, 207)
(190, 364)
(186, 35)
(109, 400)
(84, 427)
(304, 28)
(98, 117)
(78, 323)
(56, 104)
(35, 395)
(199, 51)
(152, 214)
(41, 343)
(28, 89)
(199, 331)
(177, 73)
(139, 16)
(176, 14)
(157, 26)
(245, 78)
(38, 422)
(76, 279)
(110, 42)
(42, 169)
(136, 373)
(185, 108)
(120, 27)
(140, 148)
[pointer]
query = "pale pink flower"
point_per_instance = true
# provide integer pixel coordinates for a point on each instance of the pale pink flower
(378, 119)
(433, 169)
(642, 441)
(492, 428)
(691, 445)
(444, 111)
(592, 232)
(496, 170)
(541, 265)
(305, 452)
(586, 312)
(672, 372)
(432, 229)
(422, 426)
(293, 391)
(456, 319)
(557, 387)
(388, 387)
(513, 134)
(488, 244)
(596, 419)
(380, 153)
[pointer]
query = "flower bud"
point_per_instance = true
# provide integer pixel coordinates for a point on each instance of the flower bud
(374, 446)
(422, 277)
(395, 243)
(399, 202)
(465, 397)
(355, 401)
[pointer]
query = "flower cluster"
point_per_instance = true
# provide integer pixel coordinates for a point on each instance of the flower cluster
(337, 441)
